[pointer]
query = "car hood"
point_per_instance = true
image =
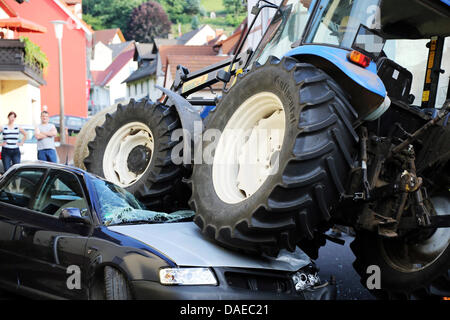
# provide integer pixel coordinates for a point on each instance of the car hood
(184, 244)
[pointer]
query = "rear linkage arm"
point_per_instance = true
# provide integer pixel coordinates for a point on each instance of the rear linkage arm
(406, 184)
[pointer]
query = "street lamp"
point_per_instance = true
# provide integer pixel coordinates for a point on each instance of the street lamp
(59, 27)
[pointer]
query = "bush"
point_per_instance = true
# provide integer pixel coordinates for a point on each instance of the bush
(33, 54)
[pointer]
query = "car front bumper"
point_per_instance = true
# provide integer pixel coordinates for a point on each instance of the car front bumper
(149, 290)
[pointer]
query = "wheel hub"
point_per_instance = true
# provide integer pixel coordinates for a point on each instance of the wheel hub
(138, 159)
(128, 154)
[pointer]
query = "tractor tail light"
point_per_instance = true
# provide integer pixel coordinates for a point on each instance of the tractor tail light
(359, 59)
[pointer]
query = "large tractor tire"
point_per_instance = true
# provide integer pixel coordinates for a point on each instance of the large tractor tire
(133, 147)
(414, 268)
(87, 134)
(264, 199)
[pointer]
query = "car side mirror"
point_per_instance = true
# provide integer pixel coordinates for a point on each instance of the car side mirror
(73, 215)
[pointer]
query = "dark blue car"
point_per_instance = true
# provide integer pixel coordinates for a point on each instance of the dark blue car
(66, 234)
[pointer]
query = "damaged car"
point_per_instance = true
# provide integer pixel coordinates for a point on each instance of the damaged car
(67, 234)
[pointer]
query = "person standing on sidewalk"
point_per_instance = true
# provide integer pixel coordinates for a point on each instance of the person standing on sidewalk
(45, 134)
(11, 143)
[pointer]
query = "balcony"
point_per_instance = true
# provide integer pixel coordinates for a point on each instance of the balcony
(14, 64)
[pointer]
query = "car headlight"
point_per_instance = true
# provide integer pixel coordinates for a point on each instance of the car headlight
(187, 276)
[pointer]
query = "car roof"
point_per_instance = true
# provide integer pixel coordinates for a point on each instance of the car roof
(57, 116)
(49, 165)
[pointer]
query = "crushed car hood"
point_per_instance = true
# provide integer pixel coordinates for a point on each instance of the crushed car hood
(184, 244)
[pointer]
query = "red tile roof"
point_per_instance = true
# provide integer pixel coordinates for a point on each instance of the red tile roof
(189, 51)
(230, 44)
(106, 36)
(192, 62)
(102, 78)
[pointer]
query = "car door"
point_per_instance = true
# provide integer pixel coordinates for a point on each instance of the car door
(55, 248)
(17, 192)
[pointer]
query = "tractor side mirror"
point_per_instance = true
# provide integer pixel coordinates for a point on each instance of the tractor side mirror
(411, 98)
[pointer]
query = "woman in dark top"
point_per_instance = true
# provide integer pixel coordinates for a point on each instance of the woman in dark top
(11, 143)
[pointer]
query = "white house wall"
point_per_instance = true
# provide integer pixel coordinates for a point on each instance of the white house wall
(201, 38)
(117, 89)
(102, 57)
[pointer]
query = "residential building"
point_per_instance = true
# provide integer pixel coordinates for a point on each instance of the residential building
(165, 51)
(21, 76)
(230, 45)
(194, 63)
(111, 66)
(201, 36)
(261, 23)
(76, 7)
(108, 36)
(141, 83)
(76, 42)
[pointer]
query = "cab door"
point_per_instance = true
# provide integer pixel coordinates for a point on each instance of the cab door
(55, 248)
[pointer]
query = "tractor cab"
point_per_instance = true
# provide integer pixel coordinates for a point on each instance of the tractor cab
(401, 48)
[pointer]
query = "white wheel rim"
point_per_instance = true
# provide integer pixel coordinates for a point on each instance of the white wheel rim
(249, 147)
(117, 152)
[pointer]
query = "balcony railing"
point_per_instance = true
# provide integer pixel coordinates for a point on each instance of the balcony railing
(12, 58)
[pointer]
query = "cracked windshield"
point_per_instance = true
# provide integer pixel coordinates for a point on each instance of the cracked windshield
(121, 207)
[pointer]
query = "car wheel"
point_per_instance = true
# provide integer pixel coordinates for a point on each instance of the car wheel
(116, 286)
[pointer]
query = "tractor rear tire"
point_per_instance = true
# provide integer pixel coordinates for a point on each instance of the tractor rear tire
(133, 148)
(314, 159)
(408, 270)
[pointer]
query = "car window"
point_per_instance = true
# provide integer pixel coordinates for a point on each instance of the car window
(19, 190)
(60, 190)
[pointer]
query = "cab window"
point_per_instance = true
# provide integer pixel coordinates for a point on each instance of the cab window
(60, 190)
(20, 189)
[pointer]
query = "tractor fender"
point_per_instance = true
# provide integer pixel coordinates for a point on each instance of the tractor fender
(189, 115)
(365, 89)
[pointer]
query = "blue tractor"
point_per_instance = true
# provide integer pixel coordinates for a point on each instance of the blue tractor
(339, 117)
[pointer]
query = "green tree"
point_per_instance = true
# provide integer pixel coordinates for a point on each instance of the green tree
(96, 22)
(174, 8)
(234, 7)
(192, 7)
(110, 13)
(195, 23)
(148, 21)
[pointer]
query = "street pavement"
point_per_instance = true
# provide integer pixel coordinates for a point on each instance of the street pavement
(336, 260)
